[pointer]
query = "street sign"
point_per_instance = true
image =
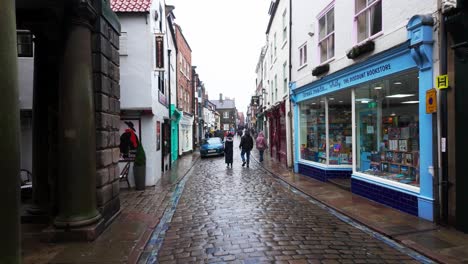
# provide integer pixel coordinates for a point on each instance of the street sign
(431, 101)
(442, 82)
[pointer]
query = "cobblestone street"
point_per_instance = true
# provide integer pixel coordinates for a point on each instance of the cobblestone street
(246, 216)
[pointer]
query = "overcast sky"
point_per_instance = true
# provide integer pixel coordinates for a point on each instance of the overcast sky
(226, 38)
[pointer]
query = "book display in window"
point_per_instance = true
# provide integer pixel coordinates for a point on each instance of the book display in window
(340, 137)
(398, 155)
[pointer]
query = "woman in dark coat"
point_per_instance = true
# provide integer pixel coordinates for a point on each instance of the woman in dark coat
(228, 149)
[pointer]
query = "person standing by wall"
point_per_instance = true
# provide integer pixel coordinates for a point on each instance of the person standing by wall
(261, 144)
(246, 145)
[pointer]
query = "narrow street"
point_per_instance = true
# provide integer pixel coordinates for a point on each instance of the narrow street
(245, 215)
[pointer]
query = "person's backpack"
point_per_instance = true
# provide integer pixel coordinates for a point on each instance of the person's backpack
(261, 144)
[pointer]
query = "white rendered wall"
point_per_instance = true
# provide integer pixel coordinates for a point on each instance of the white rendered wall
(275, 68)
(25, 81)
(395, 16)
(136, 68)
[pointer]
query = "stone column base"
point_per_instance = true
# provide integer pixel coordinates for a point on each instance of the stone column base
(86, 233)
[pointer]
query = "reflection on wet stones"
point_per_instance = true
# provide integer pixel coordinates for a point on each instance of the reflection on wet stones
(244, 215)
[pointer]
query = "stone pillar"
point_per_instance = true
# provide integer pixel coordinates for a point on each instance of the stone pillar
(40, 144)
(106, 74)
(9, 134)
(77, 135)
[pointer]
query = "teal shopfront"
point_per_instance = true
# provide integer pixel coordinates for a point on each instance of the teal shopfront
(175, 119)
(368, 123)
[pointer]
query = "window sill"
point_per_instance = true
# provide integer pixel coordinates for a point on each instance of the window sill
(327, 61)
(376, 35)
(325, 166)
(401, 187)
(302, 67)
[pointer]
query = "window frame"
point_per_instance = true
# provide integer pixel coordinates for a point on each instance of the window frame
(368, 30)
(275, 45)
(327, 36)
(30, 44)
(302, 55)
(285, 77)
(285, 26)
(123, 41)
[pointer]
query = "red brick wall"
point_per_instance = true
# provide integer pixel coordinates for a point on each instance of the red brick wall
(184, 73)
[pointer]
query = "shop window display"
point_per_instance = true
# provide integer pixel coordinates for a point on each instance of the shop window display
(313, 130)
(340, 128)
(387, 128)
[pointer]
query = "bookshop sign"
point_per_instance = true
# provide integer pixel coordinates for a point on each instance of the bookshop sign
(356, 75)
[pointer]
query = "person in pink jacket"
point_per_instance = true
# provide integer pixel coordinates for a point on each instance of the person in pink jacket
(261, 144)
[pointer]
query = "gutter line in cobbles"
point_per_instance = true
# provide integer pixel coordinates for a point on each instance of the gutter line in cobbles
(153, 245)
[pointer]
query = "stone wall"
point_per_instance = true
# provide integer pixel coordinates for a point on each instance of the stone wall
(106, 76)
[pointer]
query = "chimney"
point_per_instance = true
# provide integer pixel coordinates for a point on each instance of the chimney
(220, 97)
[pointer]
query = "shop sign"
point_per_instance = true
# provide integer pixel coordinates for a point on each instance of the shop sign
(354, 78)
(159, 52)
(442, 81)
(255, 100)
(431, 101)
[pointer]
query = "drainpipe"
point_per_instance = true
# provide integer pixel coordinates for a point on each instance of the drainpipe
(170, 119)
(290, 115)
(443, 170)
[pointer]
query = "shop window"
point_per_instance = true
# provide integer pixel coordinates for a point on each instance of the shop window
(312, 133)
(327, 35)
(24, 43)
(368, 18)
(387, 128)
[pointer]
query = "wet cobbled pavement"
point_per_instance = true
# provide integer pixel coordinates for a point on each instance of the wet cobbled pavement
(244, 215)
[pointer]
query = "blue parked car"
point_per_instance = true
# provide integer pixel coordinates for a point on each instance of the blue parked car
(212, 147)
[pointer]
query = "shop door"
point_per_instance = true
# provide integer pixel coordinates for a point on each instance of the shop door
(272, 137)
(282, 139)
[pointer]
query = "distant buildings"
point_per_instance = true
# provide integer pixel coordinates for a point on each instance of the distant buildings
(226, 108)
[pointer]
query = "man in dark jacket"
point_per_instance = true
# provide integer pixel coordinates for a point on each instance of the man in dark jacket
(246, 145)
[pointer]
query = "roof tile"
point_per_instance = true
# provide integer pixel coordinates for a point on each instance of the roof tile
(130, 5)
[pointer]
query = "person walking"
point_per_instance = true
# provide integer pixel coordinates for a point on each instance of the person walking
(261, 144)
(228, 150)
(246, 145)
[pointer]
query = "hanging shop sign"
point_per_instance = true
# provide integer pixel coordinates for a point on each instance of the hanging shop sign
(158, 135)
(159, 45)
(255, 100)
(442, 81)
(431, 101)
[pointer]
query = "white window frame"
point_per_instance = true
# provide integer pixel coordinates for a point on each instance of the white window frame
(225, 114)
(327, 35)
(285, 27)
(276, 87)
(285, 77)
(367, 10)
(123, 42)
(302, 56)
(275, 46)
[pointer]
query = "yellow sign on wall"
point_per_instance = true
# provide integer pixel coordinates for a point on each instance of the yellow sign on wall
(431, 101)
(442, 82)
